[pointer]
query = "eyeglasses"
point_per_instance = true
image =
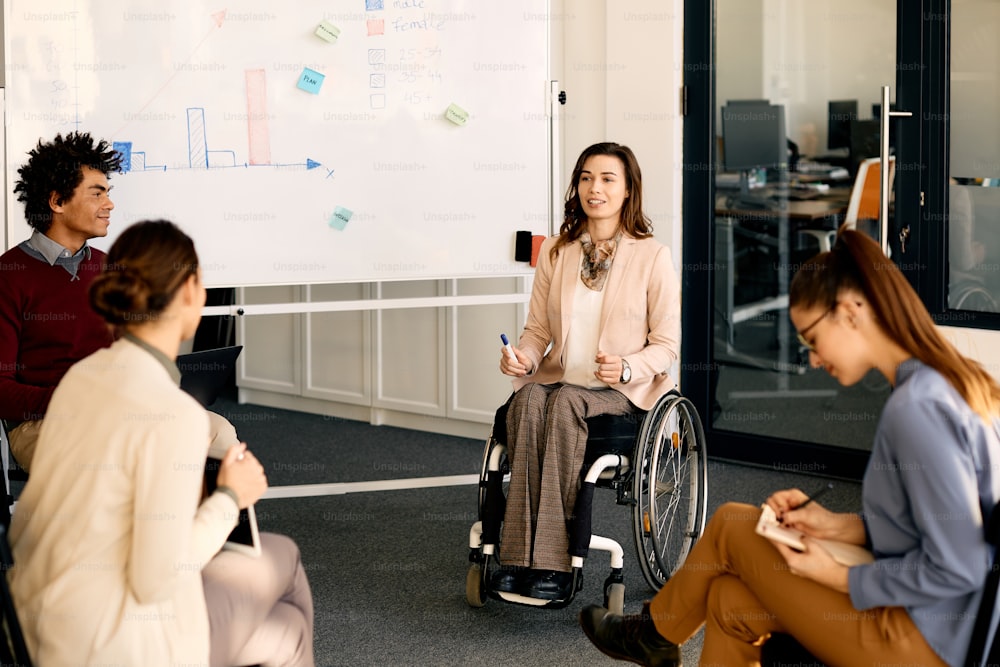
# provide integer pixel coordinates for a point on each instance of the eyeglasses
(801, 335)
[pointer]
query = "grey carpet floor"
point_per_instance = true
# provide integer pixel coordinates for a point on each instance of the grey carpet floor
(387, 568)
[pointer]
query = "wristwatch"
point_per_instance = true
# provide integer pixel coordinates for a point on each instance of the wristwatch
(626, 372)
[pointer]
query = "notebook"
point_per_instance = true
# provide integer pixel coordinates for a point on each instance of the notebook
(842, 552)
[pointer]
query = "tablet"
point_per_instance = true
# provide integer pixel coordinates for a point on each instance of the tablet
(245, 537)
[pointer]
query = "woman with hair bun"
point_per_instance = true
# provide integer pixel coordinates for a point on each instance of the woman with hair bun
(118, 555)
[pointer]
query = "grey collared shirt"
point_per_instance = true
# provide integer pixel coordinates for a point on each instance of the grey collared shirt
(42, 248)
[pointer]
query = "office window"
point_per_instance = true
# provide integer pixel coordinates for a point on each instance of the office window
(974, 187)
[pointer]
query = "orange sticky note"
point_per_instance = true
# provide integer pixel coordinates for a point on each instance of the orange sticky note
(536, 245)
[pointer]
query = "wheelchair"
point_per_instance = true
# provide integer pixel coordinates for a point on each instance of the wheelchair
(655, 462)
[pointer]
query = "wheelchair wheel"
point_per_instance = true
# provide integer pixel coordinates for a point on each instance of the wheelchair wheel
(475, 588)
(493, 485)
(670, 488)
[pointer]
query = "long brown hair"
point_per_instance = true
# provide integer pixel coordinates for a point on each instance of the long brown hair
(634, 222)
(857, 262)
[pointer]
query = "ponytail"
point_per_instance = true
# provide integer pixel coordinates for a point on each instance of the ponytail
(857, 262)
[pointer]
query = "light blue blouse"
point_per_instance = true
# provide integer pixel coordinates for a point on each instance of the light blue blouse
(931, 482)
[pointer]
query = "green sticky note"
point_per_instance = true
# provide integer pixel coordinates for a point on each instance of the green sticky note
(341, 216)
(327, 31)
(456, 114)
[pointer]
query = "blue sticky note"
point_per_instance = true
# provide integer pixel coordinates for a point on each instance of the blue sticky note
(341, 216)
(311, 81)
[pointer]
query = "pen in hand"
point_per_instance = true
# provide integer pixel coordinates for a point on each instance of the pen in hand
(814, 496)
(818, 494)
(506, 345)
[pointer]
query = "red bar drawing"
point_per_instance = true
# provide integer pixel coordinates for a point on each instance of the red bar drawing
(257, 125)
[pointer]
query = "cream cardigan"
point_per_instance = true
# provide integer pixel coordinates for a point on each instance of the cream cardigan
(109, 537)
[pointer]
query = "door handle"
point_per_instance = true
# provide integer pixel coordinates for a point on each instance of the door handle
(883, 153)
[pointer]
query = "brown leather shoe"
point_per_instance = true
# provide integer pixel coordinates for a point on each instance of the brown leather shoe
(631, 637)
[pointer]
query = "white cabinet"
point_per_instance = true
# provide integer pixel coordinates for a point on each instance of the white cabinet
(432, 368)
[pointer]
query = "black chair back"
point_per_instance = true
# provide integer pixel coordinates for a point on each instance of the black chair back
(984, 615)
(13, 650)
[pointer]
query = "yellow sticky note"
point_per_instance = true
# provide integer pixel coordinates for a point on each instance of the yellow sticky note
(327, 31)
(456, 114)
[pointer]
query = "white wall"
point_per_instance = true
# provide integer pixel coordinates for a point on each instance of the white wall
(620, 63)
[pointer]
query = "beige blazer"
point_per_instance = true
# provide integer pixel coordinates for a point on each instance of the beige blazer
(640, 316)
(109, 537)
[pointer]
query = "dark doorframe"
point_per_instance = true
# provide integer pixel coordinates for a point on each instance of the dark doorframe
(922, 75)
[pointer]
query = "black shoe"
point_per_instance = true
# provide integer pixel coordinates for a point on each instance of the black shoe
(633, 638)
(509, 579)
(550, 585)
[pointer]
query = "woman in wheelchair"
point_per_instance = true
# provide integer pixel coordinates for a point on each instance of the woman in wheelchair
(927, 493)
(602, 328)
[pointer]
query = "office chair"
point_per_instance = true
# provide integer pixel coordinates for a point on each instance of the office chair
(13, 650)
(782, 649)
(12, 472)
(863, 204)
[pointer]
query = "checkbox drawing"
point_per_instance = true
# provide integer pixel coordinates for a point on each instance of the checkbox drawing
(374, 5)
(376, 56)
(378, 101)
(376, 80)
(376, 27)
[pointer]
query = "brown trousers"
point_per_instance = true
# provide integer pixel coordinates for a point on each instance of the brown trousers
(546, 442)
(737, 584)
(260, 609)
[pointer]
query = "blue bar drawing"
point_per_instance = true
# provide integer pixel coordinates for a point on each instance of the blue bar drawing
(124, 148)
(197, 140)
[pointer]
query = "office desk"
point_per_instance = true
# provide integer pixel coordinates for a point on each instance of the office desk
(774, 226)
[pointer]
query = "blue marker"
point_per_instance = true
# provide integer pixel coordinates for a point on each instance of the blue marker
(510, 350)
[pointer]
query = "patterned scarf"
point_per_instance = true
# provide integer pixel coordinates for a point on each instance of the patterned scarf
(597, 258)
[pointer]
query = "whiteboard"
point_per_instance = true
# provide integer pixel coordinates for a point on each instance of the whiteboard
(285, 177)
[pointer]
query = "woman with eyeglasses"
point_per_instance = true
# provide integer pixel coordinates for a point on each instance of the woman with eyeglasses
(926, 495)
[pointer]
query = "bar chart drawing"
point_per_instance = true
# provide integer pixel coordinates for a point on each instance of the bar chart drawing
(202, 155)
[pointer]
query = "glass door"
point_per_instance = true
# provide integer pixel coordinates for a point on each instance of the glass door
(974, 158)
(805, 132)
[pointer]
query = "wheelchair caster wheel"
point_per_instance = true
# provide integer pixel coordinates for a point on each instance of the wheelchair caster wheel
(614, 599)
(475, 591)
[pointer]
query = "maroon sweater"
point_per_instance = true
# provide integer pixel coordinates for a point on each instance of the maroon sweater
(46, 326)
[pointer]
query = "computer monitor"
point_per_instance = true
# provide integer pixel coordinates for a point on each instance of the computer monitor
(864, 142)
(840, 115)
(753, 136)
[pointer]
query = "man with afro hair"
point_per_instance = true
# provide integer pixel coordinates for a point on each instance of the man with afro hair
(46, 324)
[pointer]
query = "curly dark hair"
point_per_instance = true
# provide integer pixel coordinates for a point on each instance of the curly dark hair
(57, 166)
